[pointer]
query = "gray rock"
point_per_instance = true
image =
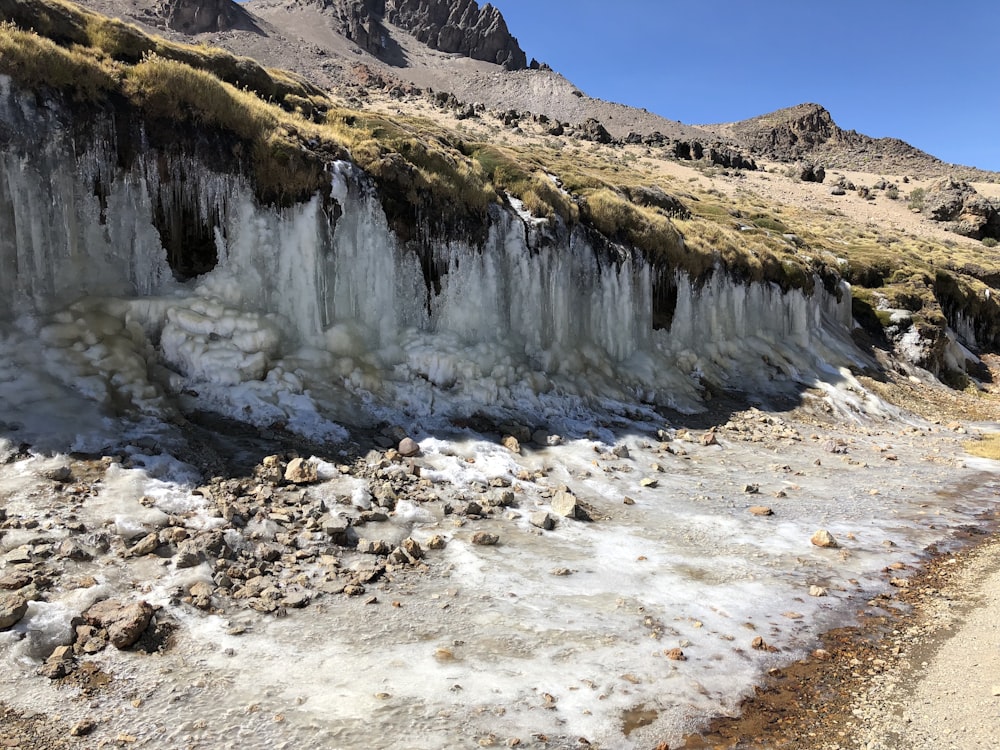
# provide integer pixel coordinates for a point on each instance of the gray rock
(485, 539)
(542, 520)
(408, 447)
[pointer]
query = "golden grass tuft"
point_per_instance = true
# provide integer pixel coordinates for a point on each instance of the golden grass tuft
(987, 446)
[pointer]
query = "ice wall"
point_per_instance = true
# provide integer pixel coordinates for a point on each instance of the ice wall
(316, 313)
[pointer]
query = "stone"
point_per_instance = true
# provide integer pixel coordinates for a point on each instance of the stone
(437, 542)
(82, 728)
(760, 510)
(13, 607)
(709, 438)
(59, 664)
(817, 591)
(125, 623)
(188, 555)
(300, 471)
(408, 448)
(759, 644)
(565, 504)
(374, 547)
(649, 482)
(485, 539)
(511, 443)
(337, 528)
(70, 549)
(620, 451)
(13, 580)
(675, 654)
(542, 520)
(145, 546)
(824, 538)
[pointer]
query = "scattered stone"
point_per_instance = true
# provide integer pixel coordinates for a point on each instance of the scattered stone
(759, 644)
(824, 538)
(561, 572)
(485, 539)
(649, 482)
(408, 448)
(542, 520)
(620, 451)
(709, 438)
(14, 579)
(817, 591)
(83, 727)
(760, 510)
(565, 504)
(59, 664)
(373, 547)
(675, 654)
(751, 489)
(628, 501)
(300, 471)
(436, 542)
(12, 608)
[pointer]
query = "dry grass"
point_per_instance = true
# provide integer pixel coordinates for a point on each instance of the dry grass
(987, 446)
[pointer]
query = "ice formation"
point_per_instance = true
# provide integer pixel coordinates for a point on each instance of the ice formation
(311, 315)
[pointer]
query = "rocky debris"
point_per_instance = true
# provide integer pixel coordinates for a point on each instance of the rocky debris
(759, 644)
(760, 510)
(823, 538)
(655, 197)
(966, 211)
(12, 608)
(675, 654)
(83, 727)
(124, 623)
(511, 443)
(59, 664)
(593, 130)
(817, 591)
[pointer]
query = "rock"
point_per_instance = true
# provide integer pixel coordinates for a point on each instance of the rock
(565, 504)
(412, 549)
(675, 654)
(817, 591)
(540, 437)
(204, 16)
(972, 215)
(374, 547)
(188, 555)
(13, 580)
(593, 130)
(408, 447)
(751, 489)
(70, 549)
(12, 608)
(511, 443)
(824, 538)
(437, 542)
(125, 623)
(620, 451)
(838, 191)
(337, 528)
(650, 482)
(485, 539)
(760, 510)
(709, 438)
(83, 727)
(300, 471)
(542, 520)
(59, 664)
(145, 546)
(759, 644)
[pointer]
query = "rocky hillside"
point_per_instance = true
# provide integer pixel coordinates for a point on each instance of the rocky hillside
(807, 132)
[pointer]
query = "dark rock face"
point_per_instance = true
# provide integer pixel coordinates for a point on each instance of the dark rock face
(971, 215)
(202, 16)
(453, 26)
(459, 26)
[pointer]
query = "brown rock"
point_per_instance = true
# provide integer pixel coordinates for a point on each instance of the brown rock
(485, 539)
(12, 608)
(824, 538)
(125, 623)
(300, 471)
(675, 654)
(760, 510)
(511, 443)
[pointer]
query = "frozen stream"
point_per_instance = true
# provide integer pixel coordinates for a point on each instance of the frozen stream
(548, 636)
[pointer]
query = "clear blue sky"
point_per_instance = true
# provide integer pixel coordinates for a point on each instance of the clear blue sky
(927, 72)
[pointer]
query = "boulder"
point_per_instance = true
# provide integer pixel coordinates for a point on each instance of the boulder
(565, 504)
(408, 447)
(125, 623)
(824, 538)
(957, 202)
(12, 608)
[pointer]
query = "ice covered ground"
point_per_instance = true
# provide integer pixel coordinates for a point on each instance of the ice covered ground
(546, 637)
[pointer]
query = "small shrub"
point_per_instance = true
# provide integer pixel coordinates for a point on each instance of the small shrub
(990, 242)
(892, 192)
(916, 200)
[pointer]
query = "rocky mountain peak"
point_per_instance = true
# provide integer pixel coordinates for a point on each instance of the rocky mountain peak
(452, 26)
(203, 16)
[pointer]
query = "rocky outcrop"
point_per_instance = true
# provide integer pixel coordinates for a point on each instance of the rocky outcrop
(958, 203)
(203, 16)
(459, 26)
(453, 26)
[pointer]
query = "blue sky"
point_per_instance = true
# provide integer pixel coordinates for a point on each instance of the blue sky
(926, 72)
